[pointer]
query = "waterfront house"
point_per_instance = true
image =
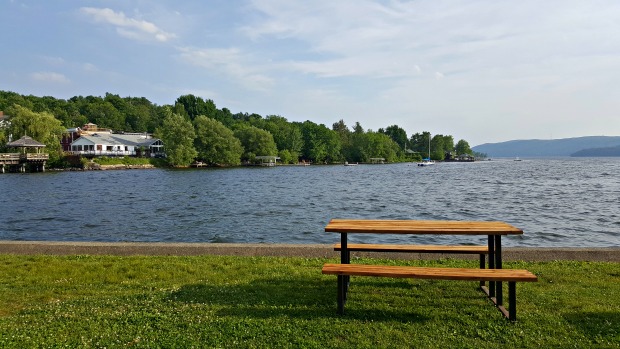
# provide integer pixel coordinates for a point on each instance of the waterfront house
(72, 134)
(458, 158)
(4, 120)
(117, 144)
(69, 137)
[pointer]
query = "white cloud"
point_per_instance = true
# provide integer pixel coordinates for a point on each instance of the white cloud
(473, 68)
(49, 77)
(130, 28)
(373, 39)
(449, 58)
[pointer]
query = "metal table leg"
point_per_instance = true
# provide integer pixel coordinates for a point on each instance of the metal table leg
(491, 245)
(498, 265)
(343, 280)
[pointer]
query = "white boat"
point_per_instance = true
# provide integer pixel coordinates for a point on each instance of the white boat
(427, 161)
(348, 164)
(517, 159)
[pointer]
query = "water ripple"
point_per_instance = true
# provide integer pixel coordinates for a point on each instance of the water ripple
(563, 202)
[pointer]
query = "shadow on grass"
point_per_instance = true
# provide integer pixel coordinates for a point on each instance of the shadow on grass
(302, 298)
(597, 326)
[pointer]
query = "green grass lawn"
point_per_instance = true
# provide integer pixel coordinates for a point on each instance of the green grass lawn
(268, 302)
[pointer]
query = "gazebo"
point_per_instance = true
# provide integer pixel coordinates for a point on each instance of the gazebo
(25, 143)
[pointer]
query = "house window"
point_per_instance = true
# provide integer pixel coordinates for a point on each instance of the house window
(109, 148)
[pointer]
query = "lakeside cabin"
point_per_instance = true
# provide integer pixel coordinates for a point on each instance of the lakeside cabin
(459, 158)
(267, 160)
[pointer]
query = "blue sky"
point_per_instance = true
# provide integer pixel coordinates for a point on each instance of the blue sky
(485, 71)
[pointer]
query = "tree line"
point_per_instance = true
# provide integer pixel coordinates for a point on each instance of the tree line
(194, 129)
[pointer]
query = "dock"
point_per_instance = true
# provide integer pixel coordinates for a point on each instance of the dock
(16, 162)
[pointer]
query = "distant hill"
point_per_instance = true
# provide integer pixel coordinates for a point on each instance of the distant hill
(551, 147)
(611, 151)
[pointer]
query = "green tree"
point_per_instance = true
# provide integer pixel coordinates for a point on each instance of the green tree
(358, 129)
(73, 117)
(3, 140)
(119, 103)
(379, 145)
(286, 157)
(462, 147)
(225, 117)
(42, 127)
(448, 144)
(440, 146)
(195, 106)
(419, 143)
(178, 136)
(357, 151)
(9, 99)
(344, 133)
(397, 134)
(437, 147)
(286, 135)
(256, 142)
(140, 113)
(105, 115)
(320, 143)
(215, 143)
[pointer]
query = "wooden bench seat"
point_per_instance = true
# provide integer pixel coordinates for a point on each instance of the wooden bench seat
(508, 275)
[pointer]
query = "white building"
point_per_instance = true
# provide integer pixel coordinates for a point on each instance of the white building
(112, 144)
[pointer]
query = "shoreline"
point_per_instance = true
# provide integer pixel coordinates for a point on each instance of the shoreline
(527, 254)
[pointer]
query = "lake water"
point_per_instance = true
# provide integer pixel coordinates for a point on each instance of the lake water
(557, 202)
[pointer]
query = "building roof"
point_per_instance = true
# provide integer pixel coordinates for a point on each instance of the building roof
(25, 142)
(119, 139)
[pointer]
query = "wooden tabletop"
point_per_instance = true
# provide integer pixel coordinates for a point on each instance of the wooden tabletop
(375, 226)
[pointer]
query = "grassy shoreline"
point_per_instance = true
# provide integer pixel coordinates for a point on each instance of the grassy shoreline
(225, 301)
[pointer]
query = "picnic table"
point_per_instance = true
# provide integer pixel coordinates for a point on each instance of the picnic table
(493, 273)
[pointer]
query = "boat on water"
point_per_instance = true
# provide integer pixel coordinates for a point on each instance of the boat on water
(348, 164)
(517, 159)
(427, 161)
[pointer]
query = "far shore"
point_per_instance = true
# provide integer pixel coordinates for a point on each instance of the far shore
(528, 254)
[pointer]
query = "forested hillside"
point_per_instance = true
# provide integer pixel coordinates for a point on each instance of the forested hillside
(542, 148)
(608, 151)
(195, 129)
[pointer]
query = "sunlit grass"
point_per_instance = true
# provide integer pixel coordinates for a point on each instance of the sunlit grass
(211, 301)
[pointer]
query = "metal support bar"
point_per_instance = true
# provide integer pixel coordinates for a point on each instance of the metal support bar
(341, 294)
(491, 242)
(512, 300)
(482, 266)
(498, 265)
(344, 249)
(345, 258)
